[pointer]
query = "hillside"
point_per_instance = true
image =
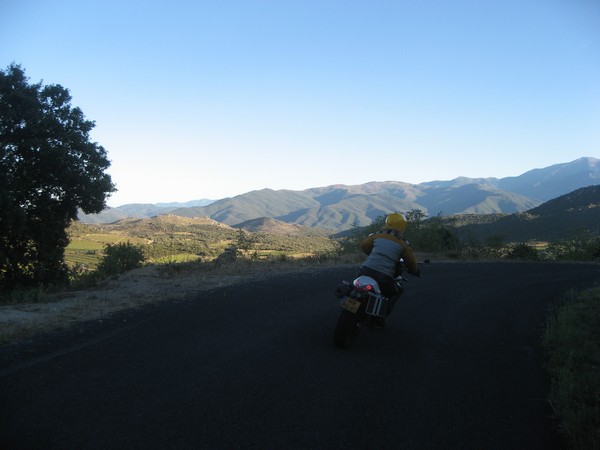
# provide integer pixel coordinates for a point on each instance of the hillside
(165, 223)
(277, 227)
(565, 216)
(171, 238)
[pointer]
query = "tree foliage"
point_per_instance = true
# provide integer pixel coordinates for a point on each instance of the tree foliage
(49, 169)
(585, 247)
(429, 234)
(523, 252)
(121, 257)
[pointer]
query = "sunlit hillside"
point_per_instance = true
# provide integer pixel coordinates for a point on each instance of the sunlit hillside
(569, 215)
(170, 238)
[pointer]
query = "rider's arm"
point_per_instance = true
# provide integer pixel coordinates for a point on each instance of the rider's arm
(410, 261)
(367, 244)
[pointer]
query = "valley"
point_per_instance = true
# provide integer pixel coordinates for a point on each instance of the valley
(572, 220)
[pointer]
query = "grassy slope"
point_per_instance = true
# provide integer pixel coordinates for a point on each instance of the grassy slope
(572, 338)
(563, 217)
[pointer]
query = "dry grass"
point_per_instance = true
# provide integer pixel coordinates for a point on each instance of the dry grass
(147, 285)
(572, 338)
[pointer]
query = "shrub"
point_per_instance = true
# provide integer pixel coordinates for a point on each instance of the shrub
(120, 258)
(581, 248)
(523, 252)
(572, 340)
(431, 235)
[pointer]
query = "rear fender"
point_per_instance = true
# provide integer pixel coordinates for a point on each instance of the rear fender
(367, 284)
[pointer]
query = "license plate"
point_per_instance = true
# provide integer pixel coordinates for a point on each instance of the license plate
(349, 304)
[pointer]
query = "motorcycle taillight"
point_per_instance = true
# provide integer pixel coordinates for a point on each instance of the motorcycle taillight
(364, 287)
(366, 284)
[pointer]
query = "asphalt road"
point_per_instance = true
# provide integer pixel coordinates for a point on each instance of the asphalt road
(459, 366)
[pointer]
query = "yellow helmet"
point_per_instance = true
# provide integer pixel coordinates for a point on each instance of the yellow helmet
(396, 221)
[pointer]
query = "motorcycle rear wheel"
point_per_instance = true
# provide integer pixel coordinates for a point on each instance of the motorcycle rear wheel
(346, 329)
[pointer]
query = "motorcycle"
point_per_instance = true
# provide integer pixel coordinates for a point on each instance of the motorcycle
(363, 304)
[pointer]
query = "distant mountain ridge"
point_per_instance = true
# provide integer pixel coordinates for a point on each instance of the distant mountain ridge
(138, 210)
(340, 207)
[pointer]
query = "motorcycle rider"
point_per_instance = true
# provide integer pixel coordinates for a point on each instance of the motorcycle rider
(388, 250)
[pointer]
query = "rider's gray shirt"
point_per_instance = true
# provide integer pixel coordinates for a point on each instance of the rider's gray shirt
(384, 256)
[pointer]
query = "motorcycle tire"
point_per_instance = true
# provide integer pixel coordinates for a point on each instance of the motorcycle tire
(346, 329)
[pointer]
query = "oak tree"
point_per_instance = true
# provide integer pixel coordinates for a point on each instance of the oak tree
(49, 169)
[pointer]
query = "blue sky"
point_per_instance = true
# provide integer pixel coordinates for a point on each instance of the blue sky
(211, 99)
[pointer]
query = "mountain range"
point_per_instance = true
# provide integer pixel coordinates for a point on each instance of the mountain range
(339, 207)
